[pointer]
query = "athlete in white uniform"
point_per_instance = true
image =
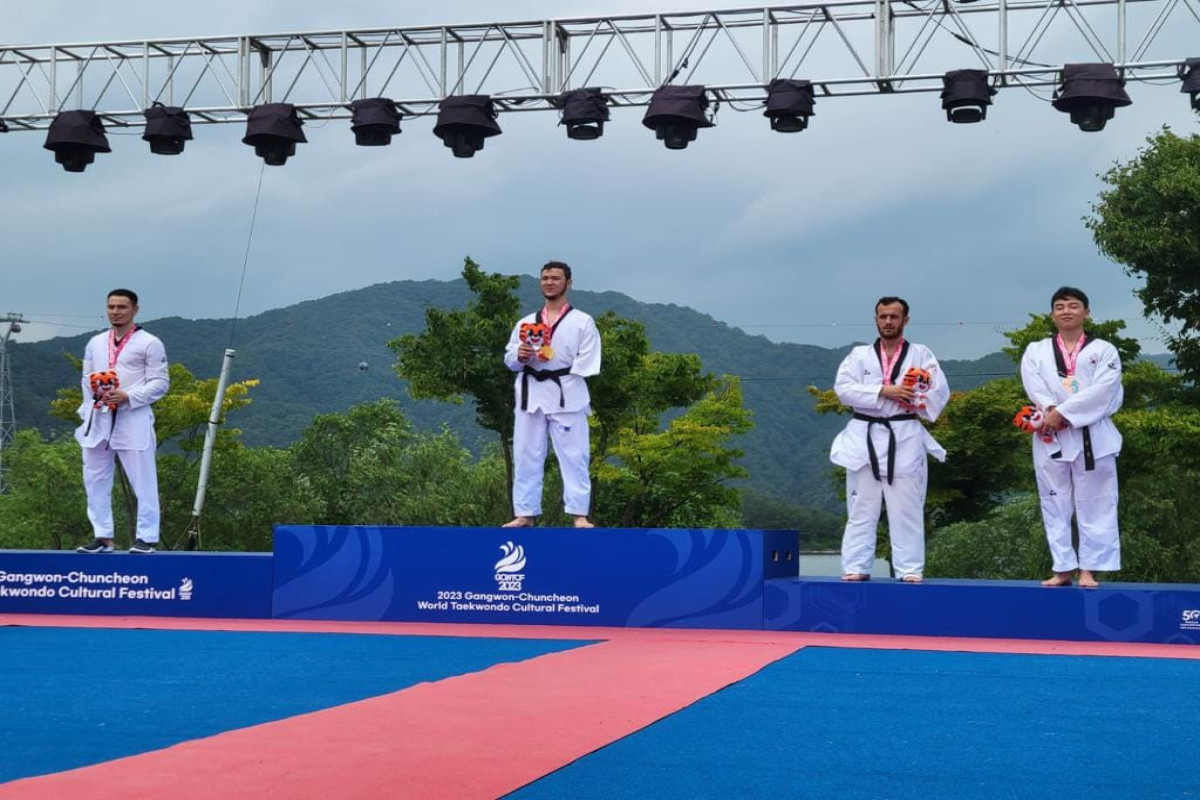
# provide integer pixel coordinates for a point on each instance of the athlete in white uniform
(891, 385)
(118, 422)
(552, 351)
(1075, 380)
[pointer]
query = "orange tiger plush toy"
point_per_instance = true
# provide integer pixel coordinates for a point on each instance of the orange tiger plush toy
(537, 336)
(1030, 419)
(920, 381)
(102, 382)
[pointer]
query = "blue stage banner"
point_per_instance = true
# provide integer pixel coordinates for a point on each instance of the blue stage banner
(162, 584)
(546, 576)
(1115, 612)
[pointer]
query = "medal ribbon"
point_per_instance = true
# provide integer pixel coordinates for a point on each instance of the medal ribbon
(552, 319)
(889, 363)
(114, 349)
(1072, 356)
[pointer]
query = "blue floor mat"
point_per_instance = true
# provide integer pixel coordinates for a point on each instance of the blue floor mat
(879, 724)
(71, 696)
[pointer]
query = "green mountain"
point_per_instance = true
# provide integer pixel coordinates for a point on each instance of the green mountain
(328, 354)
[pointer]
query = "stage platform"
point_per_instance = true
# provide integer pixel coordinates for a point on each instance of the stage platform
(663, 578)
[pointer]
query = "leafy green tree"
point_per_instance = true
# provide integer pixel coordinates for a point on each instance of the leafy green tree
(459, 353)
(1148, 220)
(1041, 326)
(679, 476)
(45, 505)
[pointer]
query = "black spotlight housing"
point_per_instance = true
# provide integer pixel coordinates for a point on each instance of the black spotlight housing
(76, 137)
(375, 121)
(274, 130)
(584, 112)
(966, 95)
(464, 121)
(1190, 74)
(676, 113)
(167, 128)
(1090, 93)
(789, 104)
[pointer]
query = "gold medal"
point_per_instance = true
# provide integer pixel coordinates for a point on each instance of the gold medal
(546, 353)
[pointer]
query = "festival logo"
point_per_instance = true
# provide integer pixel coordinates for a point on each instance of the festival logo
(508, 570)
(185, 589)
(1190, 620)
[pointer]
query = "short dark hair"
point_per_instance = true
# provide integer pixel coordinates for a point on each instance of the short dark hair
(887, 301)
(558, 265)
(132, 295)
(1069, 291)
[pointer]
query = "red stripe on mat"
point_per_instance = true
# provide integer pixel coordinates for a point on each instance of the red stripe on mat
(472, 736)
(796, 639)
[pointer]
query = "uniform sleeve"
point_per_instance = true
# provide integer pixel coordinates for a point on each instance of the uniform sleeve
(587, 357)
(853, 393)
(88, 368)
(1037, 390)
(158, 377)
(510, 350)
(1100, 399)
(939, 388)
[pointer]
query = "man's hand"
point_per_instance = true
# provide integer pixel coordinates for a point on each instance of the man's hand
(117, 396)
(524, 352)
(898, 392)
(1054, 421)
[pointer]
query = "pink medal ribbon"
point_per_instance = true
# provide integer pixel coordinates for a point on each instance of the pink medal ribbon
(889, 363)
(114, 349)
(1070, 359)
(552, 321)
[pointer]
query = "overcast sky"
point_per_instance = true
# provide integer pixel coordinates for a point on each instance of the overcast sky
(792, 236)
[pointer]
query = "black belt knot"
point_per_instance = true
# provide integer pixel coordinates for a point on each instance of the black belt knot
(542, 375)
(891, 456)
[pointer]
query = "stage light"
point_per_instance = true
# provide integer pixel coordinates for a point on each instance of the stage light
(676, 113)
(1190, 74)
(966, 95)
(273, 130)
(1090, 93)
(375, 121)
(464, 121)
(76, 137)
(584, 112)
(789, 104)
(167, 128)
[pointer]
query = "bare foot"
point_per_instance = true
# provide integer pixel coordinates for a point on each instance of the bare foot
(1059, 579)
(1087, 580)
(519, 522)
(912, 579)
(583, 522)
(856, 576)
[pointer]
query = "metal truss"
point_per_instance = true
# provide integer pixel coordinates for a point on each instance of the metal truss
(845, 47)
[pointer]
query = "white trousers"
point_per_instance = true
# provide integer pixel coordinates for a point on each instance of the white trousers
(905, 499)
(568, 430)
(1067, 489)
(98, 465)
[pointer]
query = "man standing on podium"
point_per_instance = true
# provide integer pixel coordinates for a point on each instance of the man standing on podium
(552, 351)
(891, 386)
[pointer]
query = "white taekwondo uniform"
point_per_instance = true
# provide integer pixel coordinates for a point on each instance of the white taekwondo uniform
(897, 474)
(126, 433)
(558, 404)
(1077, 470)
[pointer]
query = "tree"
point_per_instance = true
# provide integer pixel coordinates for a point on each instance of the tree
(45, 505)
(1149, 222)
(458, 354)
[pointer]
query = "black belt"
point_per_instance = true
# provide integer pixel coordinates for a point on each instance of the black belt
(542, 375)
(891, 457)
(1089, 457)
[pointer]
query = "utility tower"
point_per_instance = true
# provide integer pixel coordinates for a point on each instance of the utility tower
(11, 324)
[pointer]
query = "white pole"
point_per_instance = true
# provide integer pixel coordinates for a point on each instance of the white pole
(210, 438)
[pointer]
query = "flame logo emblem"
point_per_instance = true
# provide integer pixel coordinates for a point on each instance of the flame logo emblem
(513, 560)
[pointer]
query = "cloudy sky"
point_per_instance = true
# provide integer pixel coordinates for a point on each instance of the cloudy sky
(792, 237)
